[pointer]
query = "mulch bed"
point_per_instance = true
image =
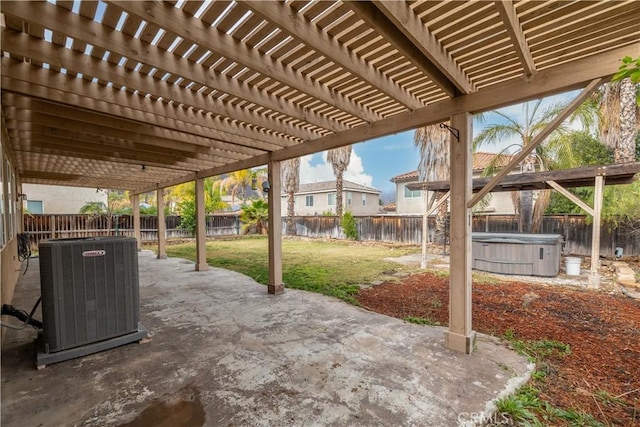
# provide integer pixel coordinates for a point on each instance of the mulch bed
(602, 329)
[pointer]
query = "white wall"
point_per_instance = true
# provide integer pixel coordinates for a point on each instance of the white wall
(500, 203)
(320, 204)
(62, 200)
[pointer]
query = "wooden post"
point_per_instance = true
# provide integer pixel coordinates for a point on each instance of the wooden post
(201, 229)
(135, 205)
(52, 225)
(595, 236)
(428, 202)
(460, 336)
(162, 225)
(275, 285)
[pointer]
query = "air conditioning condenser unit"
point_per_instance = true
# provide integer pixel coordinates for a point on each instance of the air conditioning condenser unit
(90, 296)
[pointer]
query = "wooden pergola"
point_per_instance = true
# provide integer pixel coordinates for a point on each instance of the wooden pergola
(141, 96)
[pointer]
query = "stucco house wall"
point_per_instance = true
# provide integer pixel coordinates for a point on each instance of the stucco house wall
(412, 202)
(318, 198)
(10, 226)
(55, 199)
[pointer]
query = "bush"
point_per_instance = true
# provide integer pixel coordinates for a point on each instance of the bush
(348, 224)
(187, 210)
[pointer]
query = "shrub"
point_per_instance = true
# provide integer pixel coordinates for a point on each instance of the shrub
(349, 227)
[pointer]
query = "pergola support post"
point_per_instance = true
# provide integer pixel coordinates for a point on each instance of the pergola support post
(201, 228)
(595, 237)
(135, 206)
(428, 202)
(275, 285)
(162, 225)
(429, 209)
(460, 336)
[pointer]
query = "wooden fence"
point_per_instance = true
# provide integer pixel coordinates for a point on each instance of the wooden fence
(575, 229)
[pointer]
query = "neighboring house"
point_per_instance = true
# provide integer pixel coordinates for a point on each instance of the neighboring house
(389, 208)
(55, 199)
(320, 197)
(412, 202)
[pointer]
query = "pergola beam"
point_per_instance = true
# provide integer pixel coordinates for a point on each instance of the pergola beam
(177, 21)
(297, 26)
(214, 139)
(545, 82)
(79, 27)
(410, 36)
(103, 129)
(24, 79)
(514, 29)
(572, 197)
(71, 129)
(622, 173)
(24, 45)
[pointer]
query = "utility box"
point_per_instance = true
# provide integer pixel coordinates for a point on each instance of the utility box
(90, 296)
(521, 254)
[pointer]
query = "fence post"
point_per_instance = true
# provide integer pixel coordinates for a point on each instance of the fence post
(52, 226)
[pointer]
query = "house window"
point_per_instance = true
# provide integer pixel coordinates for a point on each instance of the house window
(349, 197)
(35, 206)
(411, 194)
(364, 200)
(309, 201)
(331, 199)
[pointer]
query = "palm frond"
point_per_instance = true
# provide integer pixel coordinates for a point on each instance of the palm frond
(495, 135)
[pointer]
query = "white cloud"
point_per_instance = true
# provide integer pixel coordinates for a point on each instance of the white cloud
(324, 172)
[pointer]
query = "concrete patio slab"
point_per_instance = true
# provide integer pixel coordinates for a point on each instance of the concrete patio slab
(224, 353)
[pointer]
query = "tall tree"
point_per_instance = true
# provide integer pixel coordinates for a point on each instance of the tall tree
(528, 208)
(236, 184)
(433, 142)
(339, 159)
(619, 119)
(290, 184)
(213, 195)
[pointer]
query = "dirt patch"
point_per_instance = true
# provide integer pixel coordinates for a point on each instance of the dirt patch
(602, 329)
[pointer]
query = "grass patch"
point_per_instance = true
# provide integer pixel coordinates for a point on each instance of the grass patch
(443, 274)
(332, 268)
(538, 351)
(525, 407)
(421, 321)
(485, 279)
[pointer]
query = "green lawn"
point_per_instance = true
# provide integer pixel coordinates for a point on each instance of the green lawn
(333, 268)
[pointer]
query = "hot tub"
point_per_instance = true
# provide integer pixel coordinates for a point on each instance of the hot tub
(521, 254)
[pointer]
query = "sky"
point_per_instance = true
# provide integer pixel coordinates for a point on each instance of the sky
(374, 162)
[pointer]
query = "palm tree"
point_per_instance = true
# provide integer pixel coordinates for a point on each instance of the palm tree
(255, 216)
(339, 159)
(236, 183)
(290, 183)
(433, 142)
(558, 145)
(619, 119)
(212, 195)
(94, 209)
(259, 176)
